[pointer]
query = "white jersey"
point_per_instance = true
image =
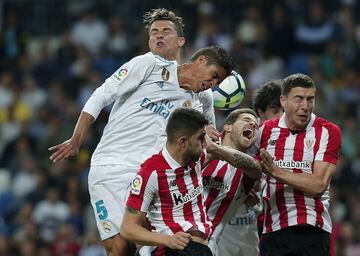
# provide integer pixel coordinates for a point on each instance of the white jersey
(204, 102)
(145, 91)
(240, 235)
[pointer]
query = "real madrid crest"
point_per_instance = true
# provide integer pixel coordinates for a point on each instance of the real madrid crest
(187, 104)
(106, 226)
(165, 74)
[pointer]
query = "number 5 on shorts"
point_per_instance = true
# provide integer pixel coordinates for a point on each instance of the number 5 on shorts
(101, 210)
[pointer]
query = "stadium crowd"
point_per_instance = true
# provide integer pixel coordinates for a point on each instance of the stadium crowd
(53, 54)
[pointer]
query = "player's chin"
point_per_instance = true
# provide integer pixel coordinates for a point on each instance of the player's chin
(198, 89)
(246, 142)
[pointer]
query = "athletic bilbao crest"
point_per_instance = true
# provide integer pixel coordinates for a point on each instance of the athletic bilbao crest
(165, 74)
(309, 143)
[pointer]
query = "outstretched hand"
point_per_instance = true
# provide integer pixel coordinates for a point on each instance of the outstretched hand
(212, 132)
(64, 150)
(267, 163)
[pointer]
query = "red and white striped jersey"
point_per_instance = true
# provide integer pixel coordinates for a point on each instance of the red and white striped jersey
(170, 195)
(297, 153)
(222, 183)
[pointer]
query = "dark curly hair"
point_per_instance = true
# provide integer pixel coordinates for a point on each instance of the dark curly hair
(164, 14)
(268, 96)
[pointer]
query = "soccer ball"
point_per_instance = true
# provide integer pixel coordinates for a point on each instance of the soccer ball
(230, 92)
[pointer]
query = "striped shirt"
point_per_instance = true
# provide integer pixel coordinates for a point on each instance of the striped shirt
(222, 183)
(297, 152)
(170, 195)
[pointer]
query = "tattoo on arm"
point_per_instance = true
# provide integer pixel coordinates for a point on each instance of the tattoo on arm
(132, 210)
(244, 161)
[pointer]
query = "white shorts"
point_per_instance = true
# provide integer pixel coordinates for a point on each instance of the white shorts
(240, 235)
(108, 189)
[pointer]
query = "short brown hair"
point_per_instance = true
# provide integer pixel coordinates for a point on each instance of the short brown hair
(234, 115)
(296, 80)
(215, 56)
(164, 14)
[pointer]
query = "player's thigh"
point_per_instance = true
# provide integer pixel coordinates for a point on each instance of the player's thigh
(108, 189)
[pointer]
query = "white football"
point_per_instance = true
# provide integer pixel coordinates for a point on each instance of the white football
(230, 92)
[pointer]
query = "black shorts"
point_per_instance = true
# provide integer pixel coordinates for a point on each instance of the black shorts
(296, 241)
(192, 249)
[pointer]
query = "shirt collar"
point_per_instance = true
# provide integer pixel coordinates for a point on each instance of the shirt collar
(282, 123)
(171, 161)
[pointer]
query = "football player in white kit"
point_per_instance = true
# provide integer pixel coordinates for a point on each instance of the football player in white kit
(156, 21)
(144, 91)
(240, 236)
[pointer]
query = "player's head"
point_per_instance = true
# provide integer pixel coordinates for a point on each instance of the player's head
(266, 100)
(209, 67)
(186, 129)
(241, 128)
(166, 35)
(298, 100)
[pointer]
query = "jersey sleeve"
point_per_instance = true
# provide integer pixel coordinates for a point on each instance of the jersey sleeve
(143, 188)
(124, 80)
(207, 101)
(330, 144)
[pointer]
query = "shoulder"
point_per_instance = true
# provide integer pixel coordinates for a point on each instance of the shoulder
(210, 168)
(147, 58)
(155, 162)
(206, 97)
(271, 122)
(207, 94)
(331, 127)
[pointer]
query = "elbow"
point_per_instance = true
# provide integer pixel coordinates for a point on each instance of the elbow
(319, 190)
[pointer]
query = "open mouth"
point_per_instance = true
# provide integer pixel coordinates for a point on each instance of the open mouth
(303, 117)
(160, 44)
(248, 133)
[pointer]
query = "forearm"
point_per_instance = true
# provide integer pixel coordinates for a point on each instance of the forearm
(82, 125)
(308, 183)
(141, 235)
(247, 163)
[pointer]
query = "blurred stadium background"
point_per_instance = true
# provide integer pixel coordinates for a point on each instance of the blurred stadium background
(54, 53)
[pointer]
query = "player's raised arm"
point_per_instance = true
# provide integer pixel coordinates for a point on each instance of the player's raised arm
(238, 159)
(71, 146)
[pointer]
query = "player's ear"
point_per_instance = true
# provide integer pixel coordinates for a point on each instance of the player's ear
(202, 59)
(282, 100)
(261, 114)
(227, 127)
(182, 141)
(181, 41)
